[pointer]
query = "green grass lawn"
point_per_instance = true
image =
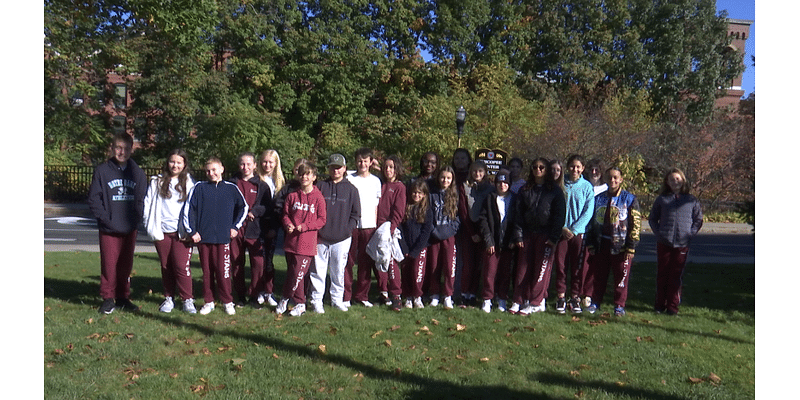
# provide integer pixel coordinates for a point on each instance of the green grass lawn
(706, 352)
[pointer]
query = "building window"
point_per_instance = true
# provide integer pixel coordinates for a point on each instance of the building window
(120, 124)
(120, 96)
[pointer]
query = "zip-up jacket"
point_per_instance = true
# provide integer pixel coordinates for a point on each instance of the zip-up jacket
(416, 235)
(116, 196)
(580, 205)
(624, 225)
(675, 220)
(444, 227)
(212, 210)
(153, 204)
(495, 232)
(258, 197)
(308, 210)
(539, 209)
(342, 210)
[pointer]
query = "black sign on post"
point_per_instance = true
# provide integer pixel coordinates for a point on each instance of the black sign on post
(494, 159)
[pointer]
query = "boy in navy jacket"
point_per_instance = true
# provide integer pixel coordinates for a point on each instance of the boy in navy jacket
(212, 216)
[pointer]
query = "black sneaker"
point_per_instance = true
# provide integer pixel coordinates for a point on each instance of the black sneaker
(126, 305)
(107, 307)
(561, 305)
(574, 305)
(397, 304)
(255, 304)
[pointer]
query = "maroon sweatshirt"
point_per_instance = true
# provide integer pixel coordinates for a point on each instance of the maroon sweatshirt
(392, 206)
(306, 210)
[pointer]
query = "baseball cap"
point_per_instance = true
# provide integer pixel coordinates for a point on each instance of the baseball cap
(337, 160)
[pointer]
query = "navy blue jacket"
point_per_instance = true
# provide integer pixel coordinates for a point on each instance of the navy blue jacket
(212, 210)
(116, 196)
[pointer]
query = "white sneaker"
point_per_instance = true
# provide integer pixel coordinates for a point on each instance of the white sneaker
(347, 304)
(418, 302)
(230, 308)
(514, 308)
(282, 306)
(542, 306)
(271, 300)
(340, 306)
(207, 308)
(188, 306)
(167, 305)
(366, 303)
(318, 307)
(298, 310)
(587, 301)
(448, 303)
(386, 300)
(487, 306)
(262, 297)
(409, 303)
(501, 305)
(434, 300)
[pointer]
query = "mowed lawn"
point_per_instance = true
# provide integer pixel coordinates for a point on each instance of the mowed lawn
(706, 352)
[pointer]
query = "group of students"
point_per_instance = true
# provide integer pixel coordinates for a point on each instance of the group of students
(508, 231)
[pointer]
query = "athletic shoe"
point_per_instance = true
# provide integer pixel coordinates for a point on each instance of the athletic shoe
(282, 306)
(397, 304)
(619, 311)
(366, 303)
(240, 303)
(255, 304)
(230, 308)
(188, 306)
(207, 308)
(448, 303)
(501, 305)
(107, 307)
(528, 310)
(298, 310)
(434, 300)
(561, 305)
(409, 303)
(514, 308)
(587, 302)
(574, 305)
(347, 304)
(672, 312)
(167, 305)
(318, 307)
(418, 302)
(542, 305)
(385, 299)
(340, 306)
(593, 308)
(261, 298)
(126, 305)
(271, 300)
(487, 306)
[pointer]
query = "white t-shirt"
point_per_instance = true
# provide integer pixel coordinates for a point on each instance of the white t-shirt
(369, 192)
(171, 209)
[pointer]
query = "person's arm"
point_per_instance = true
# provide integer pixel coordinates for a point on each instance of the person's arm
(355, 209)
(97, 200)
(654, 219)
(398, 208)
(634, 228)
(697, 217)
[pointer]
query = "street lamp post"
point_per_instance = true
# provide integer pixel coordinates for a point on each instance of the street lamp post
(461, 116)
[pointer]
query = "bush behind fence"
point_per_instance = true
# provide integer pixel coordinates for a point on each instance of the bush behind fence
(70, 183)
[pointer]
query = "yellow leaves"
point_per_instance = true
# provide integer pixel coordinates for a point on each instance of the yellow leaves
(322, 350)
(645, 339)
(712, 378)
(204, 387)
(376, 334)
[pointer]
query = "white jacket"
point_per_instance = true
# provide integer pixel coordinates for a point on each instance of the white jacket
(152, 207)
(382, 247)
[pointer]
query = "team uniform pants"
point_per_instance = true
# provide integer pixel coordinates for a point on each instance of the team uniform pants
(331, 257)
(366, 266)
(669, 278)
(570, 255)
(116, 264)
(255, 249)
(441, 265)
(297, 267)
(471, 263)
(603, 264)
(534, 266)
(496, 274)
(215, 261)
(413, 275)
(175, 256)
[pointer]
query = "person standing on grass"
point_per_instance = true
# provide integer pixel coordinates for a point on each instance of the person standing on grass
(304, 214)
(416, 231)
(212, 216)
(269, 171)
(392, 209)
(539, 213)
(441, 256)
(472, 194)
(116, 200)
(613, 235)
(495, 229)
(676, 217)
(162, 208)
(570, 255)
(343, 210)
(369, 194)
(250, 239)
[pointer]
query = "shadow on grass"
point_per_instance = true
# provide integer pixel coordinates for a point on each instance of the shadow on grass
(611, 389)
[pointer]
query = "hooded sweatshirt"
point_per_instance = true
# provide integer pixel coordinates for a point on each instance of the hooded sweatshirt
(116, 196)
(342, 209)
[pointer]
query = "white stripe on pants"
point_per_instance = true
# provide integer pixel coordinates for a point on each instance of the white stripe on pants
(331, 257)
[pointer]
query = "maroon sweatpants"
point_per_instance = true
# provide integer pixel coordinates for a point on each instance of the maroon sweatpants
(215, 261)
(496, 274)
(472, 259)
(534, 266)
(176, 273)
(116, 264)
(359, 290)
(296, 270)
(603, 264)
(570, 255)
(441, 266)
(413, 275)
(255, 249)
(669, 279)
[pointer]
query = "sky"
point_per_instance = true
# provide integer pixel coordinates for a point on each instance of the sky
(744, 9)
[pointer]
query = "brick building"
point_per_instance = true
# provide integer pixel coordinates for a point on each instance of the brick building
(739, 29)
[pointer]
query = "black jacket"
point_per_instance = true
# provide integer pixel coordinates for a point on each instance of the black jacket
(495, 232)
(343, 210)
(416, 235)
(540, 209)
(262, 209)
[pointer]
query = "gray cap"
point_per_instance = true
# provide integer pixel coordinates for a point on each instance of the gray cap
(337, 160)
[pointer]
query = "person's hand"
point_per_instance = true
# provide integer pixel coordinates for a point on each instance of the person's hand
(490, 250)
(299, 228)
(250, 216)
(629, 257)
(196, 237)
(234, 233)
(521, 245)
(289, 228)
(566, 233)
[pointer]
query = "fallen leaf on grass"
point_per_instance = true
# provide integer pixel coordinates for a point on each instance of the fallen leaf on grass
(460, 327)
(322, 349)
(275, 356)
(394, 328)
(374, 335)
(696, 380)
(497, 320)
(460, 357)
(646, 339)
(485, 359)
(387, 342)
(714, 378)
(435, 322)
(575, 373)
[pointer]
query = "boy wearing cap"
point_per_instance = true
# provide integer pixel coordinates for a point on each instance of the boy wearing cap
(333, 241)
(495, 229)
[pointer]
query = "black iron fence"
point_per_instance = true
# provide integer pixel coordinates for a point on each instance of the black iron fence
(70, 183)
